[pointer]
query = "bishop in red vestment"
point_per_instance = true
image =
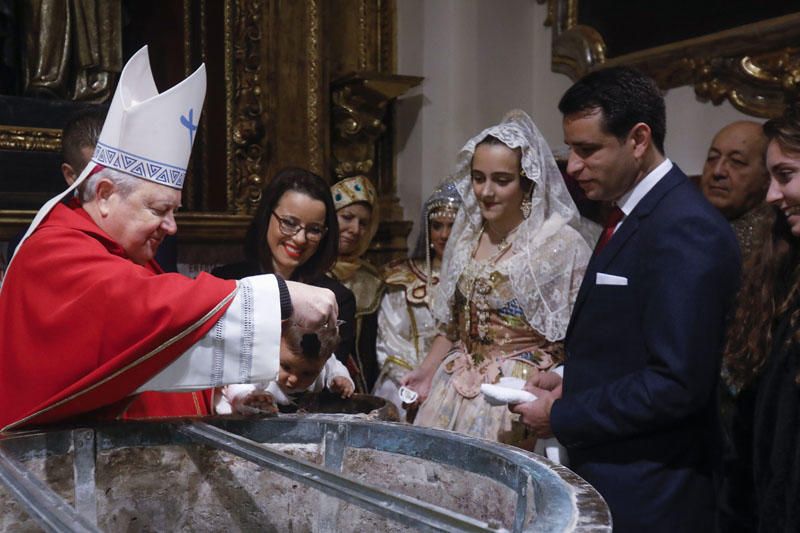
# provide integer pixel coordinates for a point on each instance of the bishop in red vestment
(90, 327)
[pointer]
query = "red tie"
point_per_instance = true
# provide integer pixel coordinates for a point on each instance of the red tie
(613, 219)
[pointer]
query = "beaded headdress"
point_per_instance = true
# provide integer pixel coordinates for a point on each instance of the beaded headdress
(347, 192)
(444, 201)
(352, 190)
(444, 206)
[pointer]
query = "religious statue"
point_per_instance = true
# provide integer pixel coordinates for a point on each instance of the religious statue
(71, 49)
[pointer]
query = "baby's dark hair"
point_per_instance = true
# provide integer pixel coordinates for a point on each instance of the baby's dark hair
(314, 346)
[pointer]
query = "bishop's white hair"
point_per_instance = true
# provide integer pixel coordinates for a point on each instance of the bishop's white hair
(124, 183)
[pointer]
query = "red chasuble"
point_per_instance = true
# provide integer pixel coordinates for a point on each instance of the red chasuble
(82, 327)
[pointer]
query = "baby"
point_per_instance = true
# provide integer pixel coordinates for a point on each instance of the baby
(307, 364)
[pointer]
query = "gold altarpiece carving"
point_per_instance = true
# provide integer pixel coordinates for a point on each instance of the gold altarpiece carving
(754, 64)
(288, 81)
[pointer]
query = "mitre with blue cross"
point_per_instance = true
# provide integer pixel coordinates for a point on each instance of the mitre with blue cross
(148, 134)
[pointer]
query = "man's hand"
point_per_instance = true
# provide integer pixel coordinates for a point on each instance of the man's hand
(536, 414)
(543, 380)
(342, 386)
(258, 402)
(314, 307)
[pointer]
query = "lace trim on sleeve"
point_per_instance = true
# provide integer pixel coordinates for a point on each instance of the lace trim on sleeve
(248, 331)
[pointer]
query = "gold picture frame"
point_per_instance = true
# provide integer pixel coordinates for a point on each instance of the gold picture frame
(754, 66)
(270, 66)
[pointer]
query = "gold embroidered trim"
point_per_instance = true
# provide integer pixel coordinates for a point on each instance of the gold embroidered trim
(399, 362)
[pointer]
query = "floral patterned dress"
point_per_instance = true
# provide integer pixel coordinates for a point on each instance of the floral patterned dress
(492, 339)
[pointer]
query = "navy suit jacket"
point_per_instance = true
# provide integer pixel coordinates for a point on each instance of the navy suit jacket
(638, 412)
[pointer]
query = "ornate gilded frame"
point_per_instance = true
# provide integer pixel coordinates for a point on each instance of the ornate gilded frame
(270, 65)
(756, 67)
(23, 139)
(197, 224)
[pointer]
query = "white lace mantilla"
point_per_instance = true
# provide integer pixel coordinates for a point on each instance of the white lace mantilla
(551, 247)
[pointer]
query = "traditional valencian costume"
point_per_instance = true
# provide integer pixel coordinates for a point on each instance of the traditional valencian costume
(83, 328)
(362, 278)
(507, 314)
(405, 323)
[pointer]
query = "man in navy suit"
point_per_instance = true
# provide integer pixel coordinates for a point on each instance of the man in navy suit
(637, 408)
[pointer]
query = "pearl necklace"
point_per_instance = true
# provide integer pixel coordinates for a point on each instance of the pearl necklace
(503, 245)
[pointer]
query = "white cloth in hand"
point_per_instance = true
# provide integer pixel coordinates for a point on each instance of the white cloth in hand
(508, 390)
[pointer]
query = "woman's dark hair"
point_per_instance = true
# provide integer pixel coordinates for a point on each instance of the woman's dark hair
(299, 180)
(771, 286)
(525, 184)
(785, 130)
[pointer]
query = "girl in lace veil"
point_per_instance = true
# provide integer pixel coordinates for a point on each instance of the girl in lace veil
(542, 278)
(509, 277)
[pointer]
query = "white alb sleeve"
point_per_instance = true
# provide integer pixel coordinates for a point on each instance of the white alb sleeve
(242, 347)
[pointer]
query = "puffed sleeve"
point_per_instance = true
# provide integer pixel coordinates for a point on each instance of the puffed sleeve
(395, 344)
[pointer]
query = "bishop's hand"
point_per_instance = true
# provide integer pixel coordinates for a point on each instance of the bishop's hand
(314, 308)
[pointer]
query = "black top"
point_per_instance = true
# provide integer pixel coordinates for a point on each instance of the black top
(344, 299)
(761, 488)
(286, 299)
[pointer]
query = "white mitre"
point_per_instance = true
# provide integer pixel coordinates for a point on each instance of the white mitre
(145, 134)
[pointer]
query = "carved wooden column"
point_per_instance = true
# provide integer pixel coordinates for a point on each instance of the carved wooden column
(358, 120)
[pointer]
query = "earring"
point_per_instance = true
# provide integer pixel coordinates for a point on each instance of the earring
(525, 207)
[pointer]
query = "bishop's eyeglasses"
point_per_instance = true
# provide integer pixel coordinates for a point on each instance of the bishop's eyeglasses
(290, 227)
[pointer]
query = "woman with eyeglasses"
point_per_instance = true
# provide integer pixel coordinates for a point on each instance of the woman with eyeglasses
(356, 204)
(295, 233)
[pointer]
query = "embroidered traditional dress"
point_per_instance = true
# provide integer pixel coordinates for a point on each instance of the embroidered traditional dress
(406, 327)
(508, 314)
(405, 324)
(492, 339)
(362, 278)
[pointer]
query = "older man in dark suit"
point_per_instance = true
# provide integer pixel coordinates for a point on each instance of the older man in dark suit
(637, 410)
